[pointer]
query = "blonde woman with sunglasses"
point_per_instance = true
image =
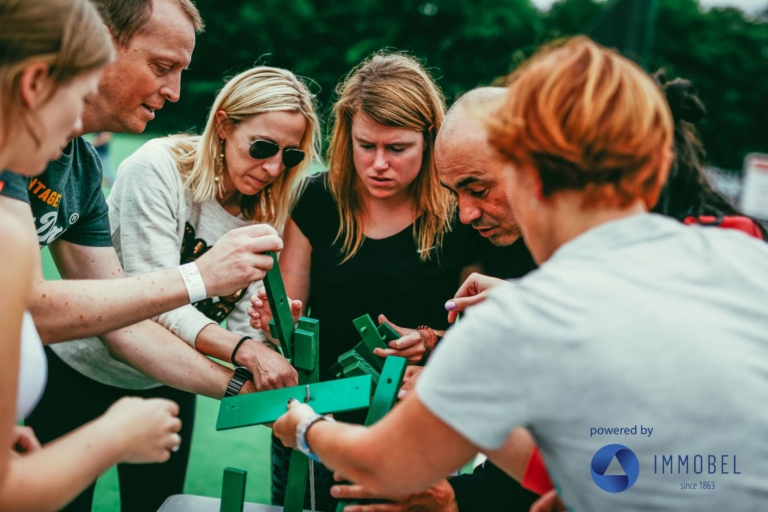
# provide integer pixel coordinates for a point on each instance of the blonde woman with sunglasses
(175, 197)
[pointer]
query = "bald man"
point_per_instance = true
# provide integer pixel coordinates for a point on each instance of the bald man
(469, 167)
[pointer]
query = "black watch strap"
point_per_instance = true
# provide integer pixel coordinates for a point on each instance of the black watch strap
(238, 380)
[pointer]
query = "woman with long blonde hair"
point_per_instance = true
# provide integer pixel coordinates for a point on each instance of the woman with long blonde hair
(52, 53)
(377, 234)
(175, 197)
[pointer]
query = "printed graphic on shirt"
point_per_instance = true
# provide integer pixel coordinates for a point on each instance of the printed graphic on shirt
(215, 308)
(47, 230)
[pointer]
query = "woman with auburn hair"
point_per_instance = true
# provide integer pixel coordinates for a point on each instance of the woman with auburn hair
(631, 318)
(175, 197)
(52, 53)
(377, 234)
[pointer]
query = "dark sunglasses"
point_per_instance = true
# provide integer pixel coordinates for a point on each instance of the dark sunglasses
(262, 149)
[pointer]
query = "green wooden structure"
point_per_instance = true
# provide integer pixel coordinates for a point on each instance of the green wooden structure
(300, 344)
(233, 490)
(361, 360)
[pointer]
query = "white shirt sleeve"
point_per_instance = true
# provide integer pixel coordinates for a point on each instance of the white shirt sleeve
(147, 203)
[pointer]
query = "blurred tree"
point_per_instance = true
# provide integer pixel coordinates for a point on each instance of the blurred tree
(466, 43)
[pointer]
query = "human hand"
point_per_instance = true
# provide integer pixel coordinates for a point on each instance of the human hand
(473, 291)
(261, 313)
(236, 260)
(147, 429)
(285, 426)
(549, 502)
(411, 345)
(270, 370)
(24, 441)
(409, 380)
(438, 498)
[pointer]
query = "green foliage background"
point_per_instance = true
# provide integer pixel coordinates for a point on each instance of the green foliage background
(467, 43)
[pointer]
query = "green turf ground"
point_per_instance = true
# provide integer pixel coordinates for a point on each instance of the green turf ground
(212, 451)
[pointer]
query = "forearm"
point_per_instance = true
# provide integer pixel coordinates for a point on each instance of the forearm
(157, 353)
(338, 447)
(47, 479)
(360, 455)
(74, 309)
(217, 342)
(514, 455)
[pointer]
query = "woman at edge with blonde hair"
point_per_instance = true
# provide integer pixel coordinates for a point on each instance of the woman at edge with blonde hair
(176, 196)
(377, 234)
(51, 57)
(625, 306)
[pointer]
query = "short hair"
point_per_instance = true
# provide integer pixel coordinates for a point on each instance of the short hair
(586, 119)
(395, 90)
(68, 35)
(256, 91)
(126, 17)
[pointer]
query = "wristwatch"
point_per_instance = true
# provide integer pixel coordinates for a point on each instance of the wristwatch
(301, 434)
(237, 381)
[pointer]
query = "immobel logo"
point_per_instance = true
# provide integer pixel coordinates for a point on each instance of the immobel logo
(615, 481)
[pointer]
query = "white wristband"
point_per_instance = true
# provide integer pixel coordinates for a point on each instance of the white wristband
(193, 280)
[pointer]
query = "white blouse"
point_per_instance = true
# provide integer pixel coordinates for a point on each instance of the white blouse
(33, 369)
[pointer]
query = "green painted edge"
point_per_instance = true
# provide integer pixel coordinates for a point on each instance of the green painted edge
(281, 310)
(233, 490)
(267, 406)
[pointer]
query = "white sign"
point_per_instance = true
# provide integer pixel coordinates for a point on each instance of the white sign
(754, 195)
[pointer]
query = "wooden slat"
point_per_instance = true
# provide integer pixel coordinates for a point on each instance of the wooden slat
(267, 406)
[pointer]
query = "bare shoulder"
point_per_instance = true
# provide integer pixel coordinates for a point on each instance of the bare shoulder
(18, 241)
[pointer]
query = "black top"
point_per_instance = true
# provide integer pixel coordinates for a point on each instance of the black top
(386, 276)
(66, 200)
(489, 488)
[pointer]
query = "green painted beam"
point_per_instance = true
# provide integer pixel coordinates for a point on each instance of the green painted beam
(267, 406)
(296, 488)
(384, 399)
(281, 309)
(371, 340)
(385, 396)
(233, 490)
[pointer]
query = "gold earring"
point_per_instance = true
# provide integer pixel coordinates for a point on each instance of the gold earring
(220, 166)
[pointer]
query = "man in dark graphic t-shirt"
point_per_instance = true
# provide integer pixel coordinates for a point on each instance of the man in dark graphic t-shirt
(66, 199)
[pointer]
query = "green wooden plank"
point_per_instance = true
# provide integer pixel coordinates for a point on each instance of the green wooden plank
(387, 332)
(281, 309)
(296, 487)
(385, 396)
(372, 340)
(233, 490)
(267, 406)
(306, 344)
(384, 399)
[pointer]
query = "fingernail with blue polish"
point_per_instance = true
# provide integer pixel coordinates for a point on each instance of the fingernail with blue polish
(450, 305)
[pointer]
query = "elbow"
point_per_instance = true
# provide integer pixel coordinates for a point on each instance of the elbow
(114, 347)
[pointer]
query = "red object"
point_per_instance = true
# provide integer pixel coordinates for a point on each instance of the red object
(2, 185)
(738, 222)
(431, 342)
(536, 479)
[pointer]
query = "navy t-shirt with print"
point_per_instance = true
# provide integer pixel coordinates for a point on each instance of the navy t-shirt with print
(66, 200)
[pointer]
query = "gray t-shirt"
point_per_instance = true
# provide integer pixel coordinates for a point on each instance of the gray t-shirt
(155, 225)
(640, 324)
